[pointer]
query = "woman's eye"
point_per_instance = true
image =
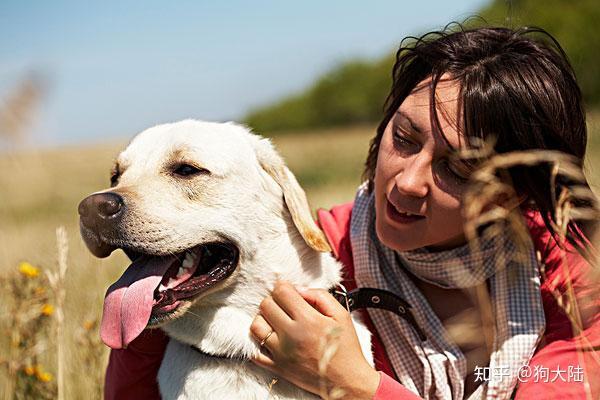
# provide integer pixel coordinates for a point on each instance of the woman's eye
(188, 170)
(455, 172)
(401, 140)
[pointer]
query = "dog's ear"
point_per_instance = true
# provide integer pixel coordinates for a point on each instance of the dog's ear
(293, 194)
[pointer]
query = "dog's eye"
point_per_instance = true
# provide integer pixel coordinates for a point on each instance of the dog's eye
(115, 174)
(114, 179)
(188, 170)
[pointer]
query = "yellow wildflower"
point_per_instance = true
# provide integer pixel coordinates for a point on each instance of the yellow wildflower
(28, 270)
(44, 376)
(47, 309)
(29, 370)
(88, 325)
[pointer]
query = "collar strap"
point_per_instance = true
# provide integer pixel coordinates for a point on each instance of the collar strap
(377, 298)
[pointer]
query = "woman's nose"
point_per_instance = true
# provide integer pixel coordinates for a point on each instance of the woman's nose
(412, 180)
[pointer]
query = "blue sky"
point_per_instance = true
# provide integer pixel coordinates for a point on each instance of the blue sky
(114, 68)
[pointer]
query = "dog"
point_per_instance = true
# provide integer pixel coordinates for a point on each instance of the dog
(211, 218)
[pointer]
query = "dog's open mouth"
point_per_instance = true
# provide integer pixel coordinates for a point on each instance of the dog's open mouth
(153, 288)
(192, 273)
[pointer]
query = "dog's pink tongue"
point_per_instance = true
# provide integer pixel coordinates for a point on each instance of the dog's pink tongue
(128, 302)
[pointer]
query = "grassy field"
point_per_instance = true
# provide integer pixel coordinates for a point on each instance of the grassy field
(39, 191)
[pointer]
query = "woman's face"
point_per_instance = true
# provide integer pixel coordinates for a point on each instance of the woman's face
(418, 184)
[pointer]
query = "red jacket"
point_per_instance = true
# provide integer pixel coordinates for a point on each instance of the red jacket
(131, 373)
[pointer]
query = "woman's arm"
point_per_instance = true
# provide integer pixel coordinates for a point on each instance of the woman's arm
(389, 389)
(563, 369)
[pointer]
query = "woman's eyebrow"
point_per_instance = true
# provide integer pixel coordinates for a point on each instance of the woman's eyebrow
(414, 126)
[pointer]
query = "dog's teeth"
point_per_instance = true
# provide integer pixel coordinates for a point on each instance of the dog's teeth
(181, 271)
(188, 262)
(162, 288)
(172, 282)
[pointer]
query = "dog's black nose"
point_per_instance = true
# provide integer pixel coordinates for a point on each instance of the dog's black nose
(100, 206)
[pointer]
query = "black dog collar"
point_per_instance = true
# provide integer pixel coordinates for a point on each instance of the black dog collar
(377, 298)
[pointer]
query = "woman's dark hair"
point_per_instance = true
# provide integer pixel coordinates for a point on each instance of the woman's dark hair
(516, 87)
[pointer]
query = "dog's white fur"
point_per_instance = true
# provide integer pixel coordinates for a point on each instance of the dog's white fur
(250, 198)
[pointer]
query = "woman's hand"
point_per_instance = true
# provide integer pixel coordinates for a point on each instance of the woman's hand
(313, 344)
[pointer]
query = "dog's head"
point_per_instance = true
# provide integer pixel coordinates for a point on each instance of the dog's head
(184, 202)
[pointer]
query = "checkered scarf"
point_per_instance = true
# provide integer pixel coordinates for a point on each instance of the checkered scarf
(436, 368)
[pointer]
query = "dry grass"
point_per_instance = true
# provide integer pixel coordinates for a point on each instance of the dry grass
(57, 280)
(17, 109)
(329, 346)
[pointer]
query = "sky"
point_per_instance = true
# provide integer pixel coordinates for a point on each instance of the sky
(112, 69)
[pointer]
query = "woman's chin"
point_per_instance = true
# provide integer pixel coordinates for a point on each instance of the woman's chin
(451, 243)
(397, 239)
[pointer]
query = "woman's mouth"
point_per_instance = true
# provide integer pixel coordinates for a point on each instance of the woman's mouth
(401, 217)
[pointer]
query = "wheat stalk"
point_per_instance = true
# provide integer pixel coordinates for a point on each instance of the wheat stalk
(57, 283)
(329, 346)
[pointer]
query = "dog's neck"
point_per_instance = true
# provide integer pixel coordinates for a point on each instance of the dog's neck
(217, 356)
(219, 324)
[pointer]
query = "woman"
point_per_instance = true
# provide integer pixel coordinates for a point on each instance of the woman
(405, 233)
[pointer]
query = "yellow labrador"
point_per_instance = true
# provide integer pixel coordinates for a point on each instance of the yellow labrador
(211, 218)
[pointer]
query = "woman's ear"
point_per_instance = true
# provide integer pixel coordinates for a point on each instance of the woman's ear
(293, 194)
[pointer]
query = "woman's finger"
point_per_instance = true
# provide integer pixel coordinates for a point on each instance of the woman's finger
(264, 334)
(290, 301)
(323, 302)
(274, 314)
(263, 360)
